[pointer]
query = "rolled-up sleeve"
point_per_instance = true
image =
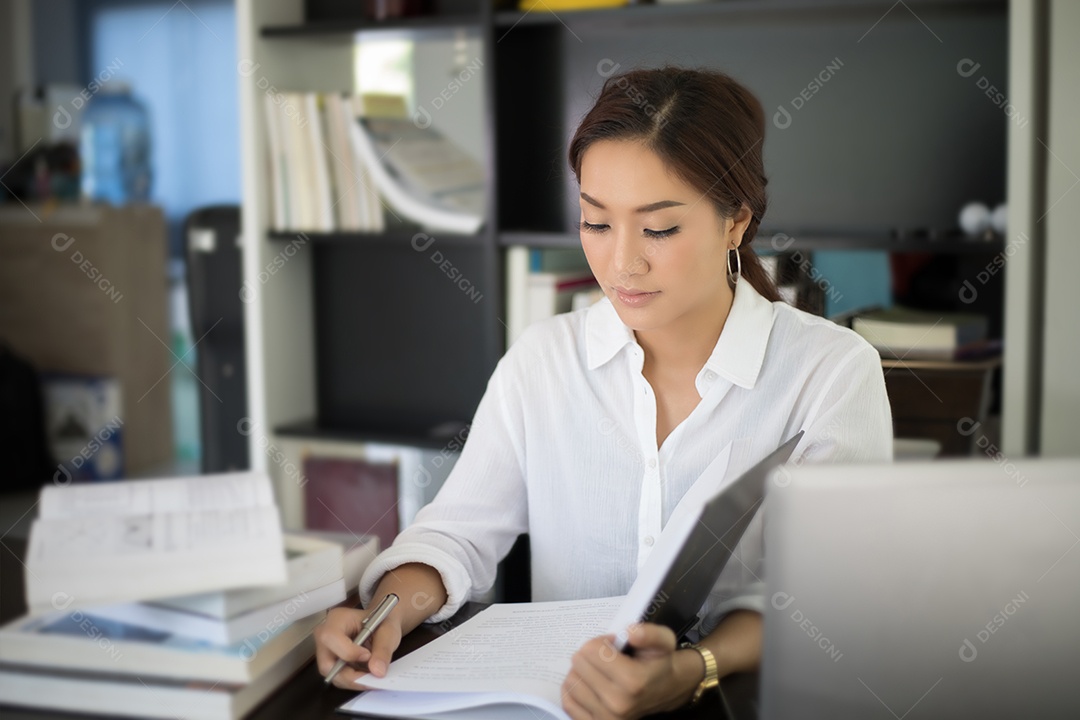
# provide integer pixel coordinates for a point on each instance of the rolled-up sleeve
(480, 510)
(850, 421)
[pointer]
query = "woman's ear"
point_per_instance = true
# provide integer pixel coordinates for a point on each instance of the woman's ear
(739, 223)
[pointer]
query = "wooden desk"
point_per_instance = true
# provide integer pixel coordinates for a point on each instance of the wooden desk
(304, 697)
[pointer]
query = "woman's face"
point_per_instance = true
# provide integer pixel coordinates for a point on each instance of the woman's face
(657, 246)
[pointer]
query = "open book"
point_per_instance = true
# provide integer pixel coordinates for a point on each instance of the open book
(509, 661)
(143, 539)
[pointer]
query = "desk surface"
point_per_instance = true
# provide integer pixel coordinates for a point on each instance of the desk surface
(304, 697)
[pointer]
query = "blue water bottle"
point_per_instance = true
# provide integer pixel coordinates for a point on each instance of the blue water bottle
(115, 147)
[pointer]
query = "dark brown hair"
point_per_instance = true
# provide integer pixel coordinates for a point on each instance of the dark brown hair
(705, 126)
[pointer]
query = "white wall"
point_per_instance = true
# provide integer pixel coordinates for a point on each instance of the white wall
(1061, 339)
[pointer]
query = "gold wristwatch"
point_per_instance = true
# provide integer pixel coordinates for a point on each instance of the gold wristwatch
(712, 677)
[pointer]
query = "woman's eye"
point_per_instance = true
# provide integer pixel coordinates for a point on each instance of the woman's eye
(661, 233)
(589, 227)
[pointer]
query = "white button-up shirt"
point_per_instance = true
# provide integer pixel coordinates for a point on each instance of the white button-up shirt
(563, 447)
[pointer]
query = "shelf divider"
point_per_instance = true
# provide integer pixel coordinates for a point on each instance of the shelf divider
(348, 27)
(802, 241)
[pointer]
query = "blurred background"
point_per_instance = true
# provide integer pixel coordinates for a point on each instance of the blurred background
(297, 235)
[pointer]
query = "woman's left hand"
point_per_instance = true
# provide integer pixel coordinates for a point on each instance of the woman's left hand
(605, 684)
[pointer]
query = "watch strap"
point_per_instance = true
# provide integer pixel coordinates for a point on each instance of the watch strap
(712, 676)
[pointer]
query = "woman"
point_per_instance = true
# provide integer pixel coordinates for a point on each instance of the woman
(595, 423)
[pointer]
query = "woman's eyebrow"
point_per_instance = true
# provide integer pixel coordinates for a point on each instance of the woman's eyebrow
(659, 205)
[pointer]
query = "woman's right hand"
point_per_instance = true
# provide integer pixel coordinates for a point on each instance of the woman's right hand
(334, 640)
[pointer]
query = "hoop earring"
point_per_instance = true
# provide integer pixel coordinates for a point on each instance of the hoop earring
(733, 277)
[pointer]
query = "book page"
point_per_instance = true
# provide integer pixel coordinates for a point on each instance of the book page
(93, 537)
(141, 497)
(516, 647)
(452, 706)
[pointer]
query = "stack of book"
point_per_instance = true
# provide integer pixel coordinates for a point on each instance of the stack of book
(170, 598)
(906, 334)
(333, 169)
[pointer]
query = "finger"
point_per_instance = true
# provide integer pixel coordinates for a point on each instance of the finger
(347, 677)
(339, 645)
(611, 692)
(574, 709)
(580, 692)
(650, 636)
(334, 639)
(601, 654)
(383, 644)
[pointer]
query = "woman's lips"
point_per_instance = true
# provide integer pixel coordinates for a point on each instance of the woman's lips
(635, 298)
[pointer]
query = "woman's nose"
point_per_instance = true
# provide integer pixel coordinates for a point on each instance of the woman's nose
(628, 257)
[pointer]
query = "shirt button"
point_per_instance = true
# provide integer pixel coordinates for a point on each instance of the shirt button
(710, 376)
(648, 540)
(652, 463)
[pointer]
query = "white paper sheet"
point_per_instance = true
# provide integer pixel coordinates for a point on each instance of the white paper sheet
(515, 647)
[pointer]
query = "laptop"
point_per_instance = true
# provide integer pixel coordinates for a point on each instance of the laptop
(946, 589)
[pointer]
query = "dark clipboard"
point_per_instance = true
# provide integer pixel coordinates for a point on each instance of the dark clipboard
(709, 546)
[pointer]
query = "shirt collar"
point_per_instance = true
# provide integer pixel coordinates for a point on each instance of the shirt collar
(739, 352)
(605, 334)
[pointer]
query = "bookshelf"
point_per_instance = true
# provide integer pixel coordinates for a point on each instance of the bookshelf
(360, 339)
(807, 242)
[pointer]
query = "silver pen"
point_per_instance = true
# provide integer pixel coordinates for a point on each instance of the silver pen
(370, 625)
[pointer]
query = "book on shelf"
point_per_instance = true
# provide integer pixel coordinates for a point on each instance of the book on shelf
(277, 161)
(406, 197)
(428, 164)
(80, 641)
(920, 335)
(551, 293)
(509, 660)
(345, 492)
(332, 166)
(543, 283)
(318, 169)
(100, 691)
(122, 541)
